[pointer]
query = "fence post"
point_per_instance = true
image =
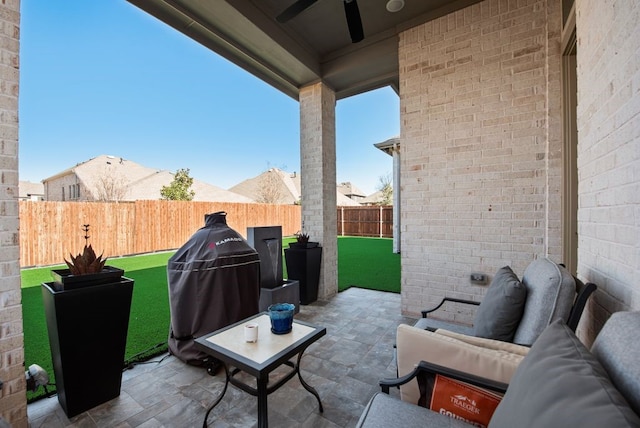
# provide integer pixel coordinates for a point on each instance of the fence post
(342, 221)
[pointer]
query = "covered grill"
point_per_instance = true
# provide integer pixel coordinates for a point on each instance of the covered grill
(214, 281)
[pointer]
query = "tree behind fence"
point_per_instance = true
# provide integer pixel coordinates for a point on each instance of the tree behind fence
(49, 231)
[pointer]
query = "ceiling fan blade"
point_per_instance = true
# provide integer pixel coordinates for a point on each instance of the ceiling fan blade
(353, 20)
(293, 10)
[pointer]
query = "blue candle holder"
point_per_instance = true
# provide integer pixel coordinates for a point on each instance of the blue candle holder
(281, 315)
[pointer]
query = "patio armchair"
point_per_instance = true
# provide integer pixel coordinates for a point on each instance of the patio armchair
(518, 311)
(558, 383)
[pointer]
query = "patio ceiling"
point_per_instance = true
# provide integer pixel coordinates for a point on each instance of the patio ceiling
(315, 45)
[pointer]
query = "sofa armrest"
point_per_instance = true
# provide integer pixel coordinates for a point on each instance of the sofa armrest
(415, 345)
(449, 299)
(427, 369)
(584, 292)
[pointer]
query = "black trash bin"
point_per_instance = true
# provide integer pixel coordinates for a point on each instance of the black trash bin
(214, 281)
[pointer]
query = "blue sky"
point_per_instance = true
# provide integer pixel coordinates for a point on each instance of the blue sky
(103, 77)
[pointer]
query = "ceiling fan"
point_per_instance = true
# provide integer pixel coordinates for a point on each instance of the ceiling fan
(351, 12)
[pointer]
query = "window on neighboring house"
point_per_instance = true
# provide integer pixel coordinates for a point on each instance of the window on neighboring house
(74, 192)
(63, 193)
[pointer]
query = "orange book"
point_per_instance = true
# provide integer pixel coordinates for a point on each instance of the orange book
(460, 400)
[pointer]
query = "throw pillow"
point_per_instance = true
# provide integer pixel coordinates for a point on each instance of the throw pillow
(551, 291)
(501, 309)
(617, 348)
(561, 384)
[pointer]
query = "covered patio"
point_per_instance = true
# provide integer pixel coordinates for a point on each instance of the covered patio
(520, 124)
(504, 120)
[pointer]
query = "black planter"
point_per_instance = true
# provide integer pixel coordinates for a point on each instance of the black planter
(303, 264)
(63, 280)
(87, 333)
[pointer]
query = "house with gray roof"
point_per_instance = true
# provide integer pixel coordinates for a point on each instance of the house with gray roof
(30, 191)
(351, 191)
(276, 186)
(111, 178)
(376, 198)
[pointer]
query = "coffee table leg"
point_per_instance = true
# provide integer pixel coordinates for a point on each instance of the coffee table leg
(263, 418)
(307, 386)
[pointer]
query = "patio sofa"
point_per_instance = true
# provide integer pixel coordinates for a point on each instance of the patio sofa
(557, 383)
(518, 311)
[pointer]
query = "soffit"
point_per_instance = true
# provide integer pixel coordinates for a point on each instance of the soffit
(313, 46)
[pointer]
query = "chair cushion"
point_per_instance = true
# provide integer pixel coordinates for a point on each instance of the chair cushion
(551, 291)
(617, 348)
(384, 411)
(561, 384)
(415, 345)
(498, 345)
(501, 309)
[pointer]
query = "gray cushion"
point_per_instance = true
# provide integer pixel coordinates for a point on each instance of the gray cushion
(551, 291)
(501, 308)
(384, 411)
(561, 384)
(617, 348)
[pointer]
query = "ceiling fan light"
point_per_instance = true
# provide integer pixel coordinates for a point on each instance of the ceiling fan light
(395, 5)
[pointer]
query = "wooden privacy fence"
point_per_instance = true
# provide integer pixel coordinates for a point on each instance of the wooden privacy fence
(366, 221)
(49, 231)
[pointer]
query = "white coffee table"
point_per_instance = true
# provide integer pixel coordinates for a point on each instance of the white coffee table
(262, 357)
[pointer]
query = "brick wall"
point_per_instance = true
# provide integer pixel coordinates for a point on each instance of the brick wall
(608, 118)
(13, 401)
(481, 147)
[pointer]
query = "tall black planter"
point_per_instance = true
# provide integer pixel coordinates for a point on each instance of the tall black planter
(303, 264)
(87, 334)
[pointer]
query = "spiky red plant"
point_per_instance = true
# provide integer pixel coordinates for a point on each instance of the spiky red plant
(85, 263)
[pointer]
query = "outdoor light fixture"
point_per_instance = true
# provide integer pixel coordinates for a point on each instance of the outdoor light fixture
(395, 5)
(36, 376)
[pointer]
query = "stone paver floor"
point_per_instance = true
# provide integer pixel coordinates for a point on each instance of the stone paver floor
(344, 367)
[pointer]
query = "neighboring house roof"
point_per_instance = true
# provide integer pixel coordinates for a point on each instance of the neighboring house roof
(29, 190)
(350, 190)
(272, 186)
(373, 199)
(133, 181)
(149, 188)
(388, 146)
(345, 201)
(280, 187)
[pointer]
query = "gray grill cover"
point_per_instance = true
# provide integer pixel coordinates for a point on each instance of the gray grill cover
(214, 281)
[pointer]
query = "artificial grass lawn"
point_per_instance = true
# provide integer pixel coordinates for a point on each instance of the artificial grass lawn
(362, 262)
(368, 263)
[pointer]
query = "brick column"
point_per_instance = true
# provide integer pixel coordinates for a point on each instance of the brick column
(13, 399)
(318, 178)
